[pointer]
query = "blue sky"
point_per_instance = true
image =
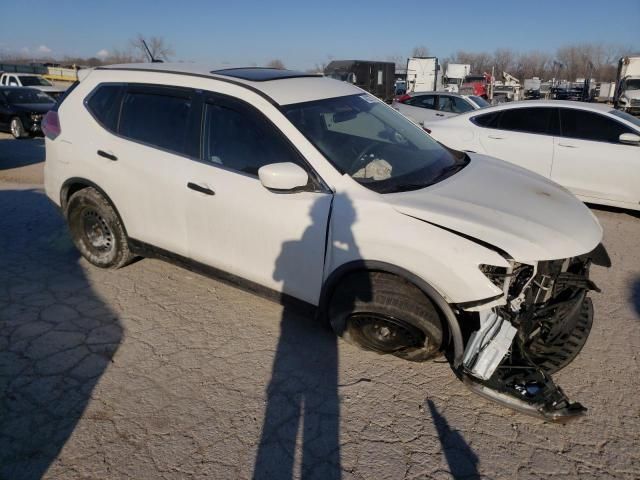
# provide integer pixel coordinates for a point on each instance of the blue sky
(303, 33)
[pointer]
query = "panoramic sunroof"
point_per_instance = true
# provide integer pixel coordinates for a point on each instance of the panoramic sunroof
(256, 74)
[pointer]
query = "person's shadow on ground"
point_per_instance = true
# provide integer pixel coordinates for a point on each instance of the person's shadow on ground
(56, 335)
(462, 460)
(302, 396)
(635, 296)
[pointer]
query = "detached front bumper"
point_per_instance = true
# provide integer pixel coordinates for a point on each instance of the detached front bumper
(511, 355)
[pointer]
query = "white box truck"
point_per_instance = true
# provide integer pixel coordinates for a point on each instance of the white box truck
(627, 95)
(423, 74)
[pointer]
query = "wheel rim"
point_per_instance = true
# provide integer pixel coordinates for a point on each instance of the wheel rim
(15, 131)
(384, 333)
(96, 231)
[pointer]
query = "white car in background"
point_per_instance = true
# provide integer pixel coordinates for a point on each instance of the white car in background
(430, 106)
(308, 187)
(591, 149)
(31, 80)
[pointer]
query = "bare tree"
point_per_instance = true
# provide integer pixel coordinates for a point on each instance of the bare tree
(503, 61)
(420, 51)
(276, 63)
(398, 60)
(159, 49)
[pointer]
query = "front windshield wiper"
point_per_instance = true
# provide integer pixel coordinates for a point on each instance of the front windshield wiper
(444, 173)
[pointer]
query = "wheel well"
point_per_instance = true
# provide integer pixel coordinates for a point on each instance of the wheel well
(450, 323)
(68, 190)
(74, 185)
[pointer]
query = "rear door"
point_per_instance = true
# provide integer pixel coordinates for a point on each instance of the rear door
(421, 108)
(590, 160)
(450, 106)
(522, 136)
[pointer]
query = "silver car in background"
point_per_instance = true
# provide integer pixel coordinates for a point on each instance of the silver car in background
(429, 106)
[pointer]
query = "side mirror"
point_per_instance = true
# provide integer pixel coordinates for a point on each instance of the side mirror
(629, 138)
(282, 177)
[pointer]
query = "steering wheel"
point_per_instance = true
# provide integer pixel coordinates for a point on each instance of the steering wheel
(361, 158)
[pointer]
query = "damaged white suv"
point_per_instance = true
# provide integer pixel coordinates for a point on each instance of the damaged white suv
(311, 189)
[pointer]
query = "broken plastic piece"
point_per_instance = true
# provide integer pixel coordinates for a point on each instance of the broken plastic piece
(488, 345)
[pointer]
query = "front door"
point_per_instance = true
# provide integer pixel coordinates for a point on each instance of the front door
(235, 224)
(590, 161)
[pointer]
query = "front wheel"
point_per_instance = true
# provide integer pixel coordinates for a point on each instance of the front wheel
(386, 314)
(17, 128)
(97, 230)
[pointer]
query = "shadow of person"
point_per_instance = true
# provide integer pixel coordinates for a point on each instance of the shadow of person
(302, 396)
(635, 296)
(56, 335)
(462, 460)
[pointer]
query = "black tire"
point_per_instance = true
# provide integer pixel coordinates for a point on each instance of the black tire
(386, 314)
(17, 128)
(97, 230)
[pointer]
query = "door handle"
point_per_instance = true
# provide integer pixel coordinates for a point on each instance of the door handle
(495, 137)
(198, 188)
(109, 156)
(439, 114)
(567, 145)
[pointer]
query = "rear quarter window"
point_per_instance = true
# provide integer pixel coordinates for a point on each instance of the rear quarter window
(488, 120)
(104, 104)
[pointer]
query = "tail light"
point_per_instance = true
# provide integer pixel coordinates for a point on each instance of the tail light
(403, 98)
(51, 125)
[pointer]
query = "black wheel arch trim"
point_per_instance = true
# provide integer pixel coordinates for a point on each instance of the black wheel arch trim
(338, 274)
(64, 194)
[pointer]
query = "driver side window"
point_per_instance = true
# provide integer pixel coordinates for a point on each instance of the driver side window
(242, 140)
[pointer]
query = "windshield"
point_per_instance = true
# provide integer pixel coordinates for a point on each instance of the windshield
(374, 144)
(479, 101)
(34, 82)
(26, 95)
(627, 116)
(633, 84)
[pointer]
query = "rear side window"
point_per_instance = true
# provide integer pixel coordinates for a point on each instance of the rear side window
(423, 101)
(104, 104)
(238, 139)
(488, 120)
(159, 119)
(590, 126)
(528, 120)
(453, 105)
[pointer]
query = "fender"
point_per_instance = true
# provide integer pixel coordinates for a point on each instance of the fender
(334, 278)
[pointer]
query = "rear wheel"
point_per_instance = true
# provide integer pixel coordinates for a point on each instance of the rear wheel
(97, 230)
(17, 128)
(386, 314)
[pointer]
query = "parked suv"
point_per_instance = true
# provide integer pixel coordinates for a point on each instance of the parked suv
(309, 188)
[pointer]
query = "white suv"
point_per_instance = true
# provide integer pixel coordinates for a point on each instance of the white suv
(310, 188)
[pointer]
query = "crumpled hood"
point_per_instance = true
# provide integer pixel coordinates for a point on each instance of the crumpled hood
(513, 209)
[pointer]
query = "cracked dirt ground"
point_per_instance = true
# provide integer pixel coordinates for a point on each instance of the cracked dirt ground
(153, 371)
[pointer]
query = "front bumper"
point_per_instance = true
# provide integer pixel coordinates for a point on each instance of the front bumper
(516, 348)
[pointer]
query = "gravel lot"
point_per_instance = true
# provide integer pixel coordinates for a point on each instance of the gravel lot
(156, 372)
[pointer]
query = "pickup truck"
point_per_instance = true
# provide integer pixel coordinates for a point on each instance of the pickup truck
(10, 79)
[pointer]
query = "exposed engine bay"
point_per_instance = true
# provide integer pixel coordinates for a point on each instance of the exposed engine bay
(515, 348)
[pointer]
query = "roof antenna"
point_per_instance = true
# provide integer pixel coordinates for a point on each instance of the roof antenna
(153, 60)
